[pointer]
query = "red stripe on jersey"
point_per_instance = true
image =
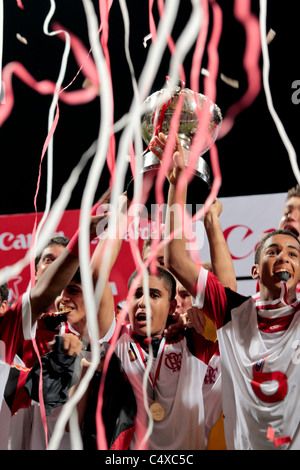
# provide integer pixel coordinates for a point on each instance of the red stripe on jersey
(215, 302)
(11, 330)
(15, 395)
(272, 325)
(202, 348)
(123, 440)
(280, 441)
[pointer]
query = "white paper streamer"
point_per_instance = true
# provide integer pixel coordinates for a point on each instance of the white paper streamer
(84, 251)
(130, 123)
(266, 68)
(52, 221)
(1, 46)
(52, 109)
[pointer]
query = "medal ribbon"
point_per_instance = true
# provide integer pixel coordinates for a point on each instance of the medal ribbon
(153, 381)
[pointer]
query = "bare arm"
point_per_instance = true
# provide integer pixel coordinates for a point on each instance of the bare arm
(108, 245)
(177, 258)
(221, 260)
(57, 275)
(52, 282)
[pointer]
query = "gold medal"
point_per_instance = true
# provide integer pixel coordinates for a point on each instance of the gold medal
(157, 411)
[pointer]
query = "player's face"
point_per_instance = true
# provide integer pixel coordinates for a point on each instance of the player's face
(160, 307)
(49, 254)
(71, 303)
(183, 299)
(291, 216)
(280, 253)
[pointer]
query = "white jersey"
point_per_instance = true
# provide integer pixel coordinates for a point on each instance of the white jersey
(15, 328)
(260, 373)
(212, 393)
(178, 389)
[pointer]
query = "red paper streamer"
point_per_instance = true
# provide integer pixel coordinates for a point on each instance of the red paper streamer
(277, 441)
(242, 12)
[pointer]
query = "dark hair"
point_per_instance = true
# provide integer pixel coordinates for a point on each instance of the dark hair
(161, 273)
(55, 240)
(271, 234)
(77, 277)
(3, 292)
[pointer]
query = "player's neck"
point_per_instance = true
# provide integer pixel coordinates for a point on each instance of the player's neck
(283, 297)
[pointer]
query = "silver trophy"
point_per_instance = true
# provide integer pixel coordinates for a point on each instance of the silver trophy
(160, 107)
(197, 111)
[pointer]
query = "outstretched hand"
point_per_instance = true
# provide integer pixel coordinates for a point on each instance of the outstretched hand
(174, 328)
(195, 319)
(71, 344)
(177, 165)
(99, 222)
(214, 209)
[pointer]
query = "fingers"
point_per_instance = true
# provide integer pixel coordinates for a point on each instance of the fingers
(196, 319)
(85, 363)
(157, 146)
(215, 208)
(175, 327)
(186, 320)
(72, 344)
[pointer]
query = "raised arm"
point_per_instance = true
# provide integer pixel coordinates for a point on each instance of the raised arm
(109, 245)
(57, 275)
(177, 258)
(222, 265)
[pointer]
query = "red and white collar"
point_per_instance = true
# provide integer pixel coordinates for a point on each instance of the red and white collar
(269, 305)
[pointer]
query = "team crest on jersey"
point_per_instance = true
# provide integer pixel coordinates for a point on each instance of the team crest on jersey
(173, 361)
(211, 375)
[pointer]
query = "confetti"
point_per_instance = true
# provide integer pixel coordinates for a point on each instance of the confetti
(205, 72)
(87, 83)
(277, 441)
(21, 39)
(146, 39)
(271, 35)
(270, 434)
(20, 4)
(229, 81)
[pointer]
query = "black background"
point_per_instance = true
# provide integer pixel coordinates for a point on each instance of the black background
(252, 157)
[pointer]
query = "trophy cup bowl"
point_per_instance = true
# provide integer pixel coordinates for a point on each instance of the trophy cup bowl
(197, 111)
(160, 107)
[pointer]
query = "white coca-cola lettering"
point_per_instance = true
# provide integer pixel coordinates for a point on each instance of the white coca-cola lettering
(10, 241)
(241, 237)
(229, 231)
(21, 241)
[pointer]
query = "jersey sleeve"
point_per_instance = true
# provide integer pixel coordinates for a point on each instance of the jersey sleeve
(108, 336)
(211, 297)
(15, 328)
(200, 347)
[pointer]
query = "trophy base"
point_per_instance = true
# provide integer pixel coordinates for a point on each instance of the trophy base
(201, 169)
(197, 192)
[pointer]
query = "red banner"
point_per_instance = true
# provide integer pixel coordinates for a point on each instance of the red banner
(15, 238)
